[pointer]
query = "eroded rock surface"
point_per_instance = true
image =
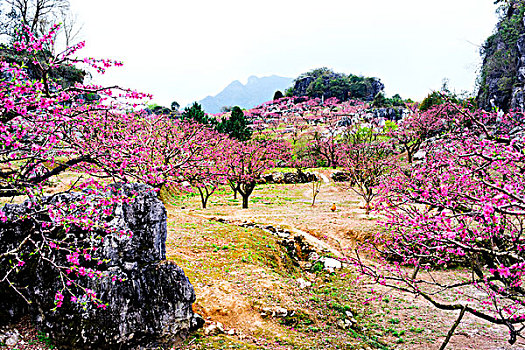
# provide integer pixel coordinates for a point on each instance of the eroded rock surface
(502, 75)
(151, 307)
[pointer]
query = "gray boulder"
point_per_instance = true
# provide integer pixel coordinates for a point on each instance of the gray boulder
(291, 178)
(288, 178)
(149, 308)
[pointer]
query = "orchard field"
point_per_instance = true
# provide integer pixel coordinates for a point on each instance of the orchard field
(418, 245)
(238, 272)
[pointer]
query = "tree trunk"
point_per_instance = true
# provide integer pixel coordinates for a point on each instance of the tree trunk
(368, 199)
(235, 189)
(204, 199)
(245, 201)
(246, 190)
(410, 156)
(367, 207)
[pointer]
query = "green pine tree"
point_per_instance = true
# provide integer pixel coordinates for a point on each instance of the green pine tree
(236, 126)
(195, 113)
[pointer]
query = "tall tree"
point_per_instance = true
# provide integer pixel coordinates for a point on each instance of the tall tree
(39, 16)
(208, 168)
(367, 160)
(195, 113)
(236, 125)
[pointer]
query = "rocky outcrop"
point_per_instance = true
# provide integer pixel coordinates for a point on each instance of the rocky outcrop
(288, 178)
(518, 91)
(298, 248)
(324, 82)
(502, 78)
(150, 307)
(374, 87)
(390, 113)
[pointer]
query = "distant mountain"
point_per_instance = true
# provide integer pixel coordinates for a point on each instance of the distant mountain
(255, 92)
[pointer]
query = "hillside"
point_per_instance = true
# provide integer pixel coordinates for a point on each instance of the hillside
(254, 92)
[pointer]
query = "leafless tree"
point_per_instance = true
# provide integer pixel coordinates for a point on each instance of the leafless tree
(71, 27)
(38, 14)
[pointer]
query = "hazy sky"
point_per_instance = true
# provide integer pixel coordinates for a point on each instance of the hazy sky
(186, 50)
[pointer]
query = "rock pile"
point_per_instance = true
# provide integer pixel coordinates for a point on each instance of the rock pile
(341, 176)
(288, 178)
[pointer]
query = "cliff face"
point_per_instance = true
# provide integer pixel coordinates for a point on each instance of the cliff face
(502, 78)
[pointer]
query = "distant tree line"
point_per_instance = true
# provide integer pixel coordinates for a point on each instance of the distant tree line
(235, 126)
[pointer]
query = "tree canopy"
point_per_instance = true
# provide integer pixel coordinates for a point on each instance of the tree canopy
(195, 113)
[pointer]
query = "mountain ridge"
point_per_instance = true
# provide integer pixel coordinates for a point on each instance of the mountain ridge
(254, 92)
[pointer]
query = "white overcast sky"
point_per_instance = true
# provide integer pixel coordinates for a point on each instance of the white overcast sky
(186, 50)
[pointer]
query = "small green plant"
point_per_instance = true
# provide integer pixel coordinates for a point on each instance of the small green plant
(318, 267)
(394, 320)
(417, 330)
(395, 332)
(42, 337)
